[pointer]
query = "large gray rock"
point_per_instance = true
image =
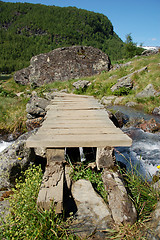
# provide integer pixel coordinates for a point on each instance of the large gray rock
(148, 91)
(63, 64)
(93, 214)
(126, 81)
(13, 160)
(122, 209)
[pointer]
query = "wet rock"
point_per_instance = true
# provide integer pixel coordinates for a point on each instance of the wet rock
(81, 84)
(121, 118)
(122, 209)
(148, 91)
(113, 119)
(63, 64)
(13, 160)
(149, 126)
(156, 111)
(93, 214)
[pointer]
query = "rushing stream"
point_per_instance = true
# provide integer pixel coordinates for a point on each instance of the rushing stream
(144, 154)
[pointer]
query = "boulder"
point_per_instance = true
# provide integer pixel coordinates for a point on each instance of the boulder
(13, 160)
(123, 82)
(36, 106)
(126, 81)
(156, 111)
(122, 209)
(36, 111)
(81, 84)
(148, 91)
(93, 215)
(121, 118)
(63, 64)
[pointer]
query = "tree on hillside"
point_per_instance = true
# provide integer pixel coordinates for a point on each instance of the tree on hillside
(131, 48)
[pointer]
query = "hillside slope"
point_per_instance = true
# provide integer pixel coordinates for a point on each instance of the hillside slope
(29, 29)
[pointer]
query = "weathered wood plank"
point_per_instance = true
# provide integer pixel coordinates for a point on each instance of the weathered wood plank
(78, 131)
(98, 140)
(51, 191)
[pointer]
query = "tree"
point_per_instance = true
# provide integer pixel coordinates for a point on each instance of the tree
(130, 46)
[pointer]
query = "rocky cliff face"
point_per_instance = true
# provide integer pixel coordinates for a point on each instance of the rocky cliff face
(63, 64)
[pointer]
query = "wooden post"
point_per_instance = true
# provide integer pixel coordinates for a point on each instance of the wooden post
(51, 191)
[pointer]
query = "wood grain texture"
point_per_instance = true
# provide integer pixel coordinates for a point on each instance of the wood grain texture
(77, 121)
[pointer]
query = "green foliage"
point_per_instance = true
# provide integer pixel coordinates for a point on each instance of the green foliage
(5, 93)
(130, 47)
(25, 33)
(26, 221)
(122, 91)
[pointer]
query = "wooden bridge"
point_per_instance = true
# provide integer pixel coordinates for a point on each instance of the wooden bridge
(71, 121)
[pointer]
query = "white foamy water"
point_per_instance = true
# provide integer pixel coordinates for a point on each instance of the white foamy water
(4, 145)
(143, 155)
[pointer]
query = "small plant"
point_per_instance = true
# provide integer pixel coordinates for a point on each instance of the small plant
(122, 91)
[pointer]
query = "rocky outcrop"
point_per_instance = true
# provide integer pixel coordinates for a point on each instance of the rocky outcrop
(148, 91)
(126, 81)
(149, 52)
(36, 111)
(63, 64)
(13, 160)
(81, 84)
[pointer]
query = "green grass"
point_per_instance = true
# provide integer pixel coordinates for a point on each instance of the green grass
(28, 222)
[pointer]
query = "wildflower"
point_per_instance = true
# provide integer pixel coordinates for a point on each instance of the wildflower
(19, 158)
(158, 167)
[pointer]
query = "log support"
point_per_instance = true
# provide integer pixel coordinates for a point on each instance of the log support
(51, 191)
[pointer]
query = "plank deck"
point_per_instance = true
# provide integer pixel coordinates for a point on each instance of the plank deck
(77, 121)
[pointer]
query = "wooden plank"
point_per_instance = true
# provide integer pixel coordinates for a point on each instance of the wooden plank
(75, 125)
(51, 107)
(112, 140)
(78, 121)
(79, 131)
(51, 191)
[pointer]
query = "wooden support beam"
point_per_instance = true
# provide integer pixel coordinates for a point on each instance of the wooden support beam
(51, 191)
